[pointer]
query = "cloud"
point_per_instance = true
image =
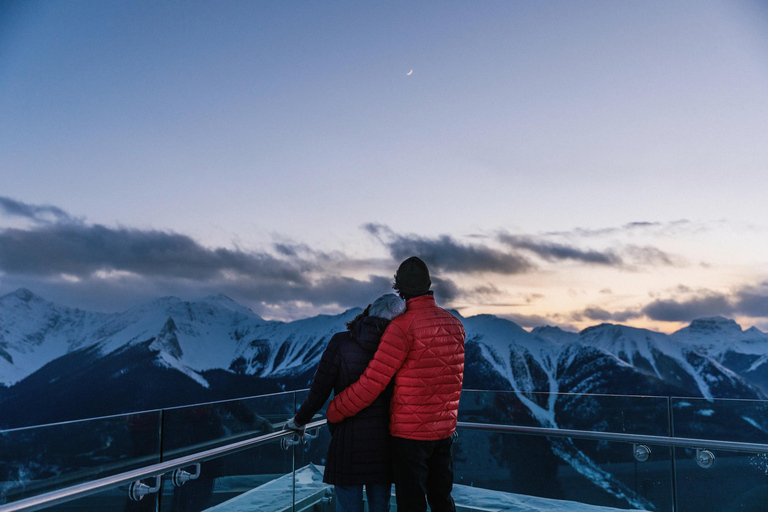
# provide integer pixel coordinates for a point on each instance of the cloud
(35, 213)
(550, 251)
(445, 254)
(114, 267)
(752, 301)
(633, 228)
(82, 250)
(687, 304)
(90, 257)
(531, 321)
(652, 256)
(672, 310)
(601, 315)
(627, 257)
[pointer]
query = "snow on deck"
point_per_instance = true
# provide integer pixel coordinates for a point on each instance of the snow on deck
(276, 496)
(474, 498)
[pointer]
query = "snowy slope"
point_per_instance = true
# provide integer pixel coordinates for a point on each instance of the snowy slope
(190, 336)
(34, 331)
(709, 358)
(275, 349)
(718, 335)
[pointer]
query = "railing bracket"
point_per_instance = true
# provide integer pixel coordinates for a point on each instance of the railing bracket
(180, 477)
(704, 458)
(641, 452)
(138, 489)
(295, 439)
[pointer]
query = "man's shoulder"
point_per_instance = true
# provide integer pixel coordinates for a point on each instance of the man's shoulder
(414, 316)
(401, 322)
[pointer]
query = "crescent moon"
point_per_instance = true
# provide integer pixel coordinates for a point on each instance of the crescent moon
(409, 73)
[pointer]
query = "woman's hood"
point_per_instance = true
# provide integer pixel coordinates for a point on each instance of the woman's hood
(368, 330)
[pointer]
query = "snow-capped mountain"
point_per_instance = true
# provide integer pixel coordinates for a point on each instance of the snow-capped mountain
(190, 336)
(216, 344)
(34, 331)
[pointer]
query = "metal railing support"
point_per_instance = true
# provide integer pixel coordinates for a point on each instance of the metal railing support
(133, 477)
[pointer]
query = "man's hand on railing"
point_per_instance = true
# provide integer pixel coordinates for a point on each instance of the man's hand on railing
(293, 426)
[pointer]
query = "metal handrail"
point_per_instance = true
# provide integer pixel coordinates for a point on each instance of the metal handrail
(679, 442)
(59, 496)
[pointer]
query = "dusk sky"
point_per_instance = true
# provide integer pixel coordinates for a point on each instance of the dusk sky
(568, 163)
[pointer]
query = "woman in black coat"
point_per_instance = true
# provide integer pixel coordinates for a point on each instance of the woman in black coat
(359, 451)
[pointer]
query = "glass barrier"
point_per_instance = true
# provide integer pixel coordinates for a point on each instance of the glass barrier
(646, 415)
(494, 469)
(111, 500)
(200, 427)
(734, 480)
(41, 459)
(259, 478)
(581, 474)
(311, 493)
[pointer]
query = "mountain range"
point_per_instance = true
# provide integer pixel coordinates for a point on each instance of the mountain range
(59, 363)
(72, 363)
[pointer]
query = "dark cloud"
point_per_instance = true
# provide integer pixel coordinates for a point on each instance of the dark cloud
(652, 256)
(752, 301)
(687, 304)
(111, 267)
(81, 250)
(531, 321)
(36, 213)
(685, 310)
(443, 253)
(446, 290)
(601, 315)
(108, 268)
(550, 251)
(269, 299)
(287, 249)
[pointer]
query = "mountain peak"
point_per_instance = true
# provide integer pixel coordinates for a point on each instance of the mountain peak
(547, 328)
(605, 326)
(714, 324)
(23, 294)
(219, 297)
(221, 301)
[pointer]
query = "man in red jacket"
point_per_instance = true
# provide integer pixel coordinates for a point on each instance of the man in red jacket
(423, 349)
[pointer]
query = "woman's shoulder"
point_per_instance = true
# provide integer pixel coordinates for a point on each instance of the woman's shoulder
(340, 338)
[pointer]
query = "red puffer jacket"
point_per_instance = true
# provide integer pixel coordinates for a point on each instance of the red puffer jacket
(424, 350)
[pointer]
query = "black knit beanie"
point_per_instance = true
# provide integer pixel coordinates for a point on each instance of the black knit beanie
(412, 277)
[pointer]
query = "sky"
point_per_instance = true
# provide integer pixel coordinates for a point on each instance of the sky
(563, 163)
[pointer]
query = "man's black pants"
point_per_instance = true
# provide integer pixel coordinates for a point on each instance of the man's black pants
(423, 468)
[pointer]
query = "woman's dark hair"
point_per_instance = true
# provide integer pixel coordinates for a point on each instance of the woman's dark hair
(351, 324)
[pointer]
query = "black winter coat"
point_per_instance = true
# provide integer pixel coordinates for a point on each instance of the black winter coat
(360, 445)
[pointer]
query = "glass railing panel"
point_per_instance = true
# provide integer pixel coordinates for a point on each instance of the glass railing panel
(590, 473)
(258, 478)
(646, 415)
(494, 469)
(735, 480)
(310, 464)
(111, 500)
(196, 428)
(36, 460)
